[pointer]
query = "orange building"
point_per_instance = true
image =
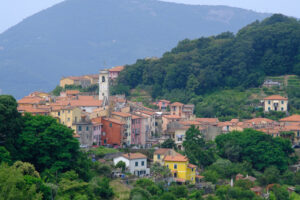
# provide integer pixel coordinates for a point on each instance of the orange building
(112, 132)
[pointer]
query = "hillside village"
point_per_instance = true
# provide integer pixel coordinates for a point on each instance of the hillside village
(116, 122)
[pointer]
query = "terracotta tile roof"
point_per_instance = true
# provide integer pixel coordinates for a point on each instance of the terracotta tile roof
(113, 121)
(132, 156)
(192, 166)
(76, 136)
(181, 180)
(162, 151)
(177, 104)
(293, 118)
(177, 158)
(208, 120)
(117, 69)
(235, 120)
(256, 189)
(275, 97)
(259, 121)
(30, 109)
(97, 120)
(122, 114)
(136, 117)
(165, 101)
(147, 112)
(190, 123)
(86, 101)
(171, 116)
(94, 76)
(30, 100)
(72, 92)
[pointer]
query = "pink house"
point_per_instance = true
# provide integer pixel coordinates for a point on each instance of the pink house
(97, 127)
(115, 71)
(136, 130)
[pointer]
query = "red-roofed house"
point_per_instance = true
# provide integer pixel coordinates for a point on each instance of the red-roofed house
(115, 71)
(276, 103)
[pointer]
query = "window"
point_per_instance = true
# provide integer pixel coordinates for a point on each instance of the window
(192, 169)
(282, 102)
(110, 124)
(103, 78)
(158, 156)
(58, 113)
(87, 128)
(79, 128)
(75, 119)
(269, 108)
(175, 175)
(298, 133)
(167, 166)
(281, 108)
(143, 163)
(95, 128)
(175, 166)
(68, 119)
(269, 102)
(69, 111)
(136, 164)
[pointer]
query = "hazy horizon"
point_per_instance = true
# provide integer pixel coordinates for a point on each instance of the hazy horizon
(13, 12)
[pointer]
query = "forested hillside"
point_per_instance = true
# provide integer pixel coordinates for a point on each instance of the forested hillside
(196, 67)
(77, 37)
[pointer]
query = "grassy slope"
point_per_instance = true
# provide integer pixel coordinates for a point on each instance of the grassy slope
(122, 191)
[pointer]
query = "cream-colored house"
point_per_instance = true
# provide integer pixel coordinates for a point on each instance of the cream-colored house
(67, 115)
(275, 103)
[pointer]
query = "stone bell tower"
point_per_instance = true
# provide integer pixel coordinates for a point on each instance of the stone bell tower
(104, 87)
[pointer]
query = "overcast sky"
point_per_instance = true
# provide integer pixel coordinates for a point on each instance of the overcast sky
(14, 11)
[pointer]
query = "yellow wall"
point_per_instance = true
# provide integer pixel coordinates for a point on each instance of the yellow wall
(183, 171)
(160, 161)
(66, 81)
(68, 116)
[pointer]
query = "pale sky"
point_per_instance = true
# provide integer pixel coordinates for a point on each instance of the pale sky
(14, 11)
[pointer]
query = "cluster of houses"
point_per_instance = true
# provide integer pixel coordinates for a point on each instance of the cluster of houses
(117, 122)
(181, 170)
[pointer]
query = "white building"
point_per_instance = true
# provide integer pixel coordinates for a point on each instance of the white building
(104, 86)
(135, 162)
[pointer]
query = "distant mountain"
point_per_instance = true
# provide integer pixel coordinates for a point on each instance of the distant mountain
(82, 36)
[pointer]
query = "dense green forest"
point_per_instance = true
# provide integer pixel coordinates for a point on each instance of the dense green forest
(226, 61)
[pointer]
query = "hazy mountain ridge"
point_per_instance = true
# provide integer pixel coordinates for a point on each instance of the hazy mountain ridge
(77, 37)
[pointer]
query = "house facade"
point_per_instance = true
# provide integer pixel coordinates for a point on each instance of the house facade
(136, 163)
(126, 118)
(275, 103)
(84, 129)
(160, 154)
(112, 132)
(182, 171)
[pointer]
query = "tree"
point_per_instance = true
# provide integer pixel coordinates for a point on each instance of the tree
(270, 176)
(180, 191)
(4, 155)
(257, 148)
(167, 196)
(57, 90)
(13, 185)
(10, 124)
(197, 150)
(159, 172)
(47, 144)
(169, 143)
(121, 165)
(138, 193)
(211, 176)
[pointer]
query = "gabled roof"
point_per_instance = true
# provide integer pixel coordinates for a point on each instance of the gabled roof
(30, 100)
(97, 120)
(275, 97)
(176, 158)
(117, 69)
(132, 156)
(208, 120)
(162, 151)
(114, 121)
(72, 92)
(177, 104)
(122, 114)
(259, 121)
(293, 118)
(171, 116)
(192, 166)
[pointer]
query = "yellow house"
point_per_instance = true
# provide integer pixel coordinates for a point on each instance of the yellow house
(67, 115)
(181, 170)
(160, 154)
